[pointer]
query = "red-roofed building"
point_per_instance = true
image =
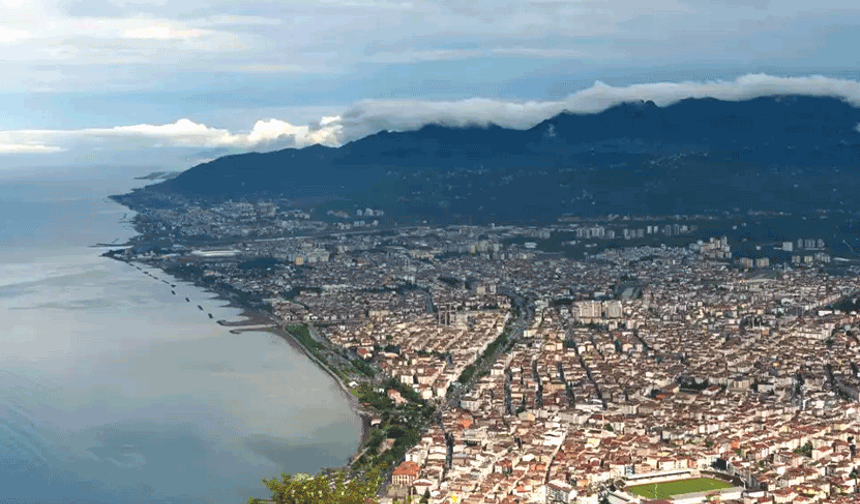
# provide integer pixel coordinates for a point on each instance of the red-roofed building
(405, 474)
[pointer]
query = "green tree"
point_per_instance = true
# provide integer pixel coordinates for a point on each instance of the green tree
(805, 449)
(329, 488)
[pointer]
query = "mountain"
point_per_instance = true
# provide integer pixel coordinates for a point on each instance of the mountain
(771, 153)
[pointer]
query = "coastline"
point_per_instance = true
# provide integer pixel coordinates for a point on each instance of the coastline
(256, 316)
(259, 320)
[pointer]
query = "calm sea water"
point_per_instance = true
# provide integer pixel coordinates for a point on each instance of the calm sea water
(114, 390)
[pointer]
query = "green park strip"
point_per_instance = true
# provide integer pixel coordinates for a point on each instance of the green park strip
(679, 487)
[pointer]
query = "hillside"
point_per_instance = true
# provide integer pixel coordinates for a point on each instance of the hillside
(789, 153)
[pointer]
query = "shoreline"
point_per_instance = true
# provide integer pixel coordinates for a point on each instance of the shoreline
(259, 320)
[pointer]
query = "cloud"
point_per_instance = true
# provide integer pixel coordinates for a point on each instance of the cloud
(370, 116)
(163, 33)
(185, 132)
(271, 133)
(96, 45)
(274, 129)
(9, 35)
(236, 20)
(10, 148)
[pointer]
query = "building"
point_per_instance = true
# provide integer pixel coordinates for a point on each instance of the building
(589, 309)
(405, 474)
(559, 492)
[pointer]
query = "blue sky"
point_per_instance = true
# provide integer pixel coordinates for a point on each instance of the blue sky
(174, 83)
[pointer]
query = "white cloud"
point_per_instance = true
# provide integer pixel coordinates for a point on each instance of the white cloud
(182, 126)
(370, 116)
(274, 130)
(397, 115)
(10, 148)
(273, 133)
(9, 35)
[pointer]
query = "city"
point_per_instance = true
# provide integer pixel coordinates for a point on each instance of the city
(489, 370)
(429, 252)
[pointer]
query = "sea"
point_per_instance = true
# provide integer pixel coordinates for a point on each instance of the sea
(115, 390)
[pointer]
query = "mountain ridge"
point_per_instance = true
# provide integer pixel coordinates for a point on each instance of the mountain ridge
(725, 138)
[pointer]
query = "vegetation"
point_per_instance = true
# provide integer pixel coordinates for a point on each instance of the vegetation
(502, 341)
(451, 281)
(679, 487)
(303, 335)
(364, 368)
(400, 423)
(386, 445)
(805, 449)
(329, 488)
(467, 374)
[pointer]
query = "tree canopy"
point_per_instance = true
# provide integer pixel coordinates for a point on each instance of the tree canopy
(331, 488)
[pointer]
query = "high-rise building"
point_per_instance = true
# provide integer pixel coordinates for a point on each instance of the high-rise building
(614, 309)
(589, 309)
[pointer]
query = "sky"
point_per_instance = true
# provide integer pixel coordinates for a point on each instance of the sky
(172, 84)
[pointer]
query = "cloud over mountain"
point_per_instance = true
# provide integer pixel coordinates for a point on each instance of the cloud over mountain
(371, 116)
(366, 117)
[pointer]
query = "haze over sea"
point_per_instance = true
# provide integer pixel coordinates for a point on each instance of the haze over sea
(114, 390)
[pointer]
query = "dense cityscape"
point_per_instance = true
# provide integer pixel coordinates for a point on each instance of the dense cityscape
(429, 252)
(583, 361)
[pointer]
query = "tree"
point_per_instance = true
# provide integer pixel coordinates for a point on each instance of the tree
(329, 488)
